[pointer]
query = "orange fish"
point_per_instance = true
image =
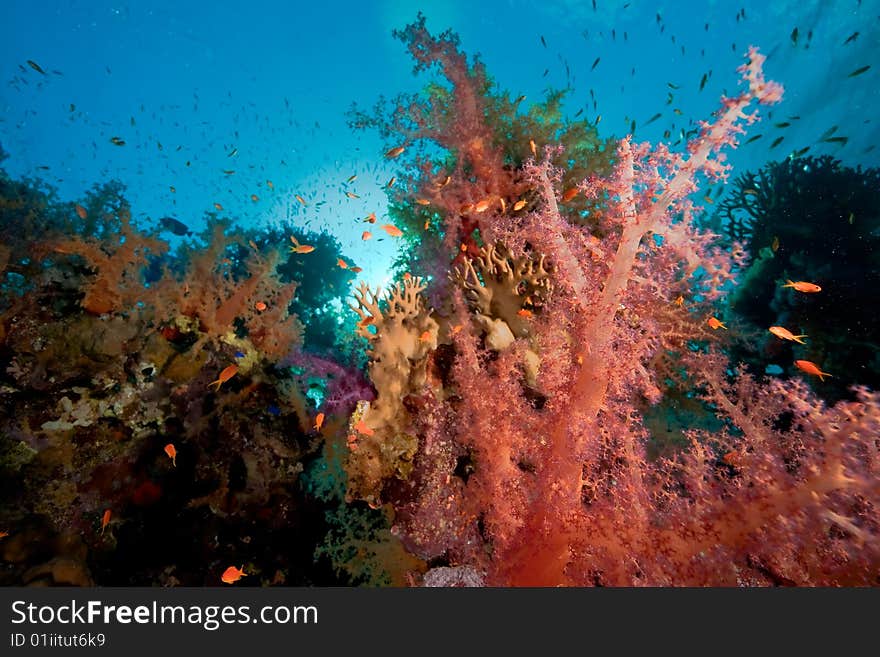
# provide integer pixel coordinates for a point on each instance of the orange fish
(81, 211)
(227, 373)
(455, 329)
(366, 235)
(233, 574)
(260, 306)
(370, 218)
(394, 152)
(255, 198)
(302, 248)
(391, 182)
(570, 194)
(105, 519)
(269, 184)
(423, 201)
(716, 324)
(361, 427)
(533, 147)
(300, 199)
(524, 312)
(392, 230)
(483, 205)
(811, 368)
(4, 534)
(785, 334)
(356, 270)
(427, 224)
(679, 301)
(217, 206)
(351, 195)
(171, 451)
(803, 286)
(519, 205)
(425, 336)
(319, 421)
(342, 263)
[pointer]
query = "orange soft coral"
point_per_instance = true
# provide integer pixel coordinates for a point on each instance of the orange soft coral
(117, 263)
(213, 297)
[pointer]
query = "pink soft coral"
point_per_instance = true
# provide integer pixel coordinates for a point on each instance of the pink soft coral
(550, 484)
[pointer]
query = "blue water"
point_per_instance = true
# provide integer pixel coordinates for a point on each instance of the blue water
(271, 82)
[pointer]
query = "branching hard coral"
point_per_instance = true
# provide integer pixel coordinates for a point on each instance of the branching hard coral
(401, 337)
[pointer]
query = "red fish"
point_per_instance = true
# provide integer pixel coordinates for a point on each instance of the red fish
(803, 286)
(232, 574)
(811, 368)
(225, 375)
(392, 230)
(171, 451)
(105, 519)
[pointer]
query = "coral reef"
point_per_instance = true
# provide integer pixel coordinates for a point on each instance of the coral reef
(549, 402)
(517, 487)
(108, 347)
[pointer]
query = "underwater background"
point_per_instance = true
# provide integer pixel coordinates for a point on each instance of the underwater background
(627, 329)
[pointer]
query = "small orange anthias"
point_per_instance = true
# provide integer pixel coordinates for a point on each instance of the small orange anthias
(785, 334)
(105, 519)
(319, 421)
(716, 323)
(225, 375)
(233, 574)
(803, 286)
(171, 451)
(811, 368)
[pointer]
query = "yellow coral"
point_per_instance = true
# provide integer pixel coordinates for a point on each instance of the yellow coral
(401, 339)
